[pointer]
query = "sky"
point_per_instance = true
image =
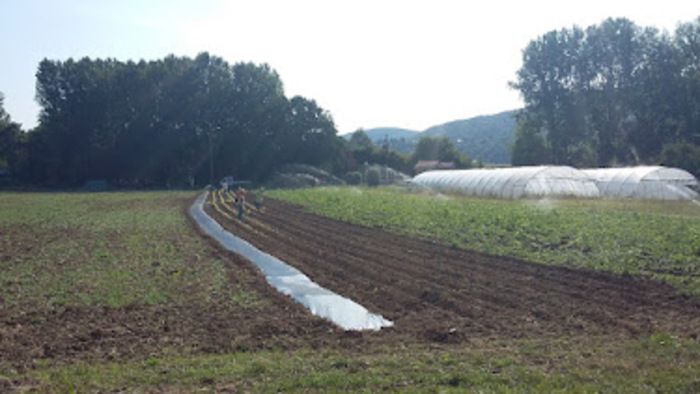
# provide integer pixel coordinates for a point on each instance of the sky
(371, 63)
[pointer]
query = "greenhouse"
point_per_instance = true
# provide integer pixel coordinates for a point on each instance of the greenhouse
(511, 183)
(648, 182)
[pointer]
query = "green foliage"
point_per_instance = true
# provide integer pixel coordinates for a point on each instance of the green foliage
(4, 117)
(379, 134)
(171, 122)
(682, 155)
(120, 249)
(360, 140)
(107, 249)
(613, 93)
(441, 149)
(661, 240)
(12, 154)
(530, 147)
(487, 138)
(353, 178)
(360, 150)
(372, 177)
(659, 363)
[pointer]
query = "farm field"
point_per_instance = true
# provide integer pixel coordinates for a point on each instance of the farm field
(118, 291)
(651, 239)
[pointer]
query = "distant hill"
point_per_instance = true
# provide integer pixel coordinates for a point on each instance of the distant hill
(378, 134)
(487, 137)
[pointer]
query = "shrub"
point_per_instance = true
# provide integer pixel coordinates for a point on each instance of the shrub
(353, 178)
(682, 155)
(372, 177)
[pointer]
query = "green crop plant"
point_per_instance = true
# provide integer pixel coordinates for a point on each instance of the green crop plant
(656, 239)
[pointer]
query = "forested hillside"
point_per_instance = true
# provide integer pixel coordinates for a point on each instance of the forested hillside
(488, 138)
(379, 134)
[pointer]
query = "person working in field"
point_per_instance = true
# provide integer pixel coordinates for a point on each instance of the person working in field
(240, 202)
(234, 202)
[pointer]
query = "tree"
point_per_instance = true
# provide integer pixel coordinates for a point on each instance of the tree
(360, 149)
(548, 80)
(441, 149)
(4, 117)
(373, 178)
(171, 122)
(613, 93)
(360, 140)
(12, 141)
(314, 132)
(530, 147)
(353, 178)
(682, 155)
(687, 44)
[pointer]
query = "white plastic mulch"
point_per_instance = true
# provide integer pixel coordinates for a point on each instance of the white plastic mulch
(322, 302)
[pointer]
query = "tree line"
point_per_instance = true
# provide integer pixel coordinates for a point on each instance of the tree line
(10, 138)
(178, 122)
(438, 148)
(612, 94)
(172, 122)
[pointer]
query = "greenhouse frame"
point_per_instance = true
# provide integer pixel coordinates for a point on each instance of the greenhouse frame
(512, 183)
(644, 182)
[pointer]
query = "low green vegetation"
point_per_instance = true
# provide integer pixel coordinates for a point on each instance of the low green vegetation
(106, 249)
(661, 240)
(659, 363)
(117, 250)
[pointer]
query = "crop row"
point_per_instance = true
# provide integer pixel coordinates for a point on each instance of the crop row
(652, 239)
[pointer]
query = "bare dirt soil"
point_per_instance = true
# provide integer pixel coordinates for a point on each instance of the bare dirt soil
(111, 334)
(83, 332)
(435, 293)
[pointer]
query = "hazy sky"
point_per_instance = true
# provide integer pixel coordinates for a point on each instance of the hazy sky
(409, 64)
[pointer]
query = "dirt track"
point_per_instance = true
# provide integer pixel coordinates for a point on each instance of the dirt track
(436, 293)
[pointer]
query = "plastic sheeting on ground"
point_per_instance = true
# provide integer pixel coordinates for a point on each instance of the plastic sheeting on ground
(322, 302)
(644, 182)
(512, 183)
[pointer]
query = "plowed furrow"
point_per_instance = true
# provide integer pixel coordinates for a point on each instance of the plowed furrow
(577, 283)
(424, 286)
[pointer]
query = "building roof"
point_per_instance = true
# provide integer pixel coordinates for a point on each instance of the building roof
(425, 165)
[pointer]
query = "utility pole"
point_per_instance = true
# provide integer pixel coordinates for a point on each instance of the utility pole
(209, 129)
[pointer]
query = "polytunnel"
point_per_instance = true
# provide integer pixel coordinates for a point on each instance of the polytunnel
(644, 182)
(511, 183)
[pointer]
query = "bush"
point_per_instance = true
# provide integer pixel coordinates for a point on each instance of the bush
(682, 155)
(372, 177)
(96, 185)
(353, 178)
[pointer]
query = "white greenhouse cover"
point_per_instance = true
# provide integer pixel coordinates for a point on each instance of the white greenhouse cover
(515, 182)
(644, 182)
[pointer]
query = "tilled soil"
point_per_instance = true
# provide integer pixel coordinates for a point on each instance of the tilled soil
(68, 333)
(436, 293)
(137, 331)
(433, 293)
